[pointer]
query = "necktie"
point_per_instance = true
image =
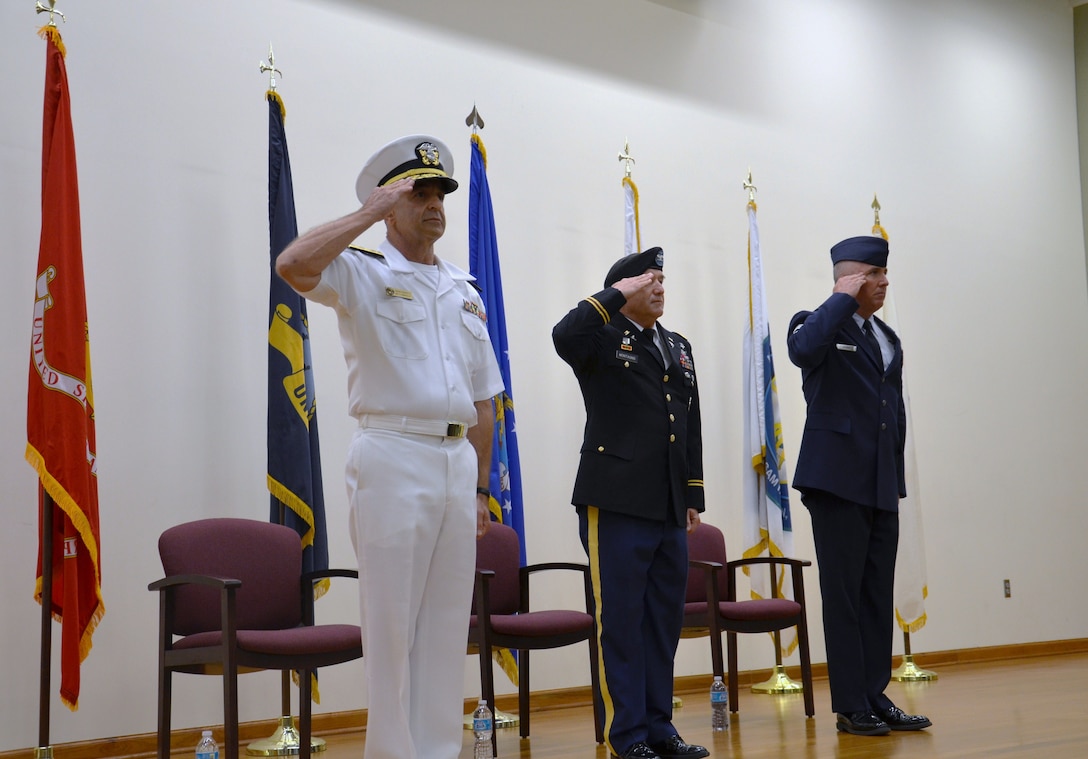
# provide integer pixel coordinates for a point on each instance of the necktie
(648, 334)
(867, 328)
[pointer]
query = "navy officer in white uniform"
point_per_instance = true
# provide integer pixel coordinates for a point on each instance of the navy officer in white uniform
(421, 375)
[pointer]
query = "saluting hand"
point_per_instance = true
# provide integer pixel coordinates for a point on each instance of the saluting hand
(631, 285)
(381, 200)
(850, 284)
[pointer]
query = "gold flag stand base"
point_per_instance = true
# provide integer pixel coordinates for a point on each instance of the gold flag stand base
(500, 721)
(908, 672)
(677, 702)
(283, 742)
(779, 682)
(43, 752)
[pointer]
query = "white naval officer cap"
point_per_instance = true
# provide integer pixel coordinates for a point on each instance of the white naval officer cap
(417, 156)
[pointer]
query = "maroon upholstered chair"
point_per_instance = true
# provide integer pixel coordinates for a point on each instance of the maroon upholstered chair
(233, 600)
(712, 587)
(503, 618)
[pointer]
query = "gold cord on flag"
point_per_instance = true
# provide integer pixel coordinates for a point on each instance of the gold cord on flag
(50, 31)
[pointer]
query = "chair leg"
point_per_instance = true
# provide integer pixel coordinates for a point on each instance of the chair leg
(305, 712)
(731, 645)
(230, 711)
(487, 690)
(716, 659)
(165, 693)
(806, 669)
(523, 692)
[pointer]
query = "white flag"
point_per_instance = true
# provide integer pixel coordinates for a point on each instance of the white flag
(631, 242)
(910, 564)
(768, 530)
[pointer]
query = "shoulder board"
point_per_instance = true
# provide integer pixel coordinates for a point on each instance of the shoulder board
(372, 253)
(476, 284)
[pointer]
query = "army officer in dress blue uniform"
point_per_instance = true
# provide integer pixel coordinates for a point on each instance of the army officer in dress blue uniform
(638, 490)
(850, 474)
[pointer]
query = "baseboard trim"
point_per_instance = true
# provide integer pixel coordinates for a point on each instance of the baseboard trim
(145, 745)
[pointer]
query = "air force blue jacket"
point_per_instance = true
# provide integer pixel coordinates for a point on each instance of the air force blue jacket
(856, 426)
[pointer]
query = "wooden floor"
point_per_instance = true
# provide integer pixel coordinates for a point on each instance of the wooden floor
(1021, 708)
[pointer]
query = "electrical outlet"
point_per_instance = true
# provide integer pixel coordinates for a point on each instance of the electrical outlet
(1008, 589)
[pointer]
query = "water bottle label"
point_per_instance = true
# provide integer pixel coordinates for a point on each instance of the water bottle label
(479, 725)
(719, 697)
(207, 754)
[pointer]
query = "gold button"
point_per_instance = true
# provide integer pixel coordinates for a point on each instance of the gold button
(666, 378)
(672, 438)
(672, 418)
(600, 449)
(626, 364)
(668, 398)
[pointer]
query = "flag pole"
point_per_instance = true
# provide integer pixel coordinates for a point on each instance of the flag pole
(907, 671)
(44, 750)
(285, 740)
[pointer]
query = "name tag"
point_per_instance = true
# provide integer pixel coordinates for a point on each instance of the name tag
(393, 292)
(847, 347)
(630, 357)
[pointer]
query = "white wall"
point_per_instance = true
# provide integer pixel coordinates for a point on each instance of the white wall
(959, 114)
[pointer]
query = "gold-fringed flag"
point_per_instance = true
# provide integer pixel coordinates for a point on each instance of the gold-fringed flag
(632, 242)
(911, 587)
(504, 480)
(60, 404)
(768, 529)
(294, 453)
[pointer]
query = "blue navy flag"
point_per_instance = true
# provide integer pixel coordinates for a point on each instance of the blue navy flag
(504, 482)
(483, 261)
(294, 457)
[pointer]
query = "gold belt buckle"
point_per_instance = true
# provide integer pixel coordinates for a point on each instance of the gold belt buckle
(453, 429)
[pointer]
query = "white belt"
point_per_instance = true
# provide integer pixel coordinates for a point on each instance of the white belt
(413, 426)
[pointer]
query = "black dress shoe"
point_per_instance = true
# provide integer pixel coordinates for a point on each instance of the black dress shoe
(897, 719)
(675, 748)
(862, 723)
(639, 751)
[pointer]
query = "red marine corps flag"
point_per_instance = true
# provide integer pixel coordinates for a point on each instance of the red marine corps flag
(60, 405)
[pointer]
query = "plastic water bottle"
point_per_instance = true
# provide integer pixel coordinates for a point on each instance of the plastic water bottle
(719, 705)
(483, 727)
(207, 748)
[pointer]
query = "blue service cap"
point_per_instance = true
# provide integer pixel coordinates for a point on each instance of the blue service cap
(635, 264)
(868, 249)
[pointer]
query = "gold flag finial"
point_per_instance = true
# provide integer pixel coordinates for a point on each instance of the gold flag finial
(625, 156)
(474, 119)
(41, 8)
(876, 211)
(751, 188)
(270, 67)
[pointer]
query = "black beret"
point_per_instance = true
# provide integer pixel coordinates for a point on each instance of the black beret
(635, 264)
(868, 249)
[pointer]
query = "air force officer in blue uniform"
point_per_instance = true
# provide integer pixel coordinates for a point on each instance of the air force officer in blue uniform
(638, 490)
(850, 474)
